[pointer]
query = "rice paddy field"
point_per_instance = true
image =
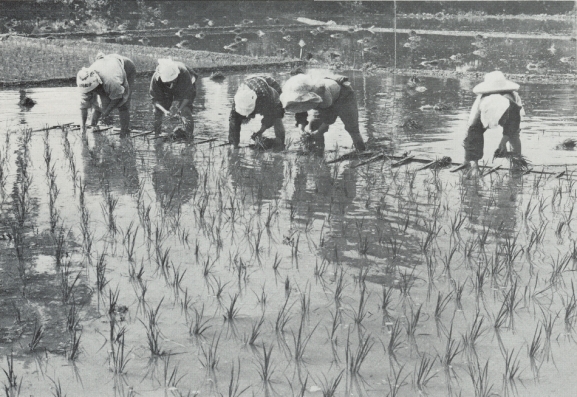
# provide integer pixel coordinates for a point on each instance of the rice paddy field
(147, 267)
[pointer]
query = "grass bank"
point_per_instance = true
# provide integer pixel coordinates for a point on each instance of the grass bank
(29, 61)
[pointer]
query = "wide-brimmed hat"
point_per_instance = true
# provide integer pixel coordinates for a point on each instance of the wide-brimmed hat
(495, 82)
(244, 100)
(299, 89)
(167, 70)
(87, 79)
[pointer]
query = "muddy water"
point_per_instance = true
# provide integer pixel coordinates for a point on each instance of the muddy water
(219, 221)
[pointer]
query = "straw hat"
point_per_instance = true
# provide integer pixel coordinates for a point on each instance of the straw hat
(244, 100)
(167, 70)
(299, 89)
(87, 79)
(495, 82)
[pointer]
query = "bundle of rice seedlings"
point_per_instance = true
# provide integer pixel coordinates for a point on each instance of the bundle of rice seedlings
(567, 144)
(411, 124)
(264, 143)
(442, 162)
(516, 160)
(311, 143)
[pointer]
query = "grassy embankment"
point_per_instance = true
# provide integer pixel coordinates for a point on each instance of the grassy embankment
(29, 61)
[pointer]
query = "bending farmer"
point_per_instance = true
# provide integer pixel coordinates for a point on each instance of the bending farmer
(257, 95)
(497, 104)
(329, 97)
(173, 84)
(107, 85)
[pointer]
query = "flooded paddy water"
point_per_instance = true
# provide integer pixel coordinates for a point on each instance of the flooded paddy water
(137, 266)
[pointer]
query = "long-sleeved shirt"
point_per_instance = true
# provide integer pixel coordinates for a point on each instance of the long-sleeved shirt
(267, 104)
(113, 72)
(183, 87)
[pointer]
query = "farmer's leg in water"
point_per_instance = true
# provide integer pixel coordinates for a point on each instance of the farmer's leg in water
(279, 131)
(474, 142)
(347, 109)
(234, 124)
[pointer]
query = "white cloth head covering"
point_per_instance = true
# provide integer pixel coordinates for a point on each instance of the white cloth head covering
(299, 89)
(495, 82)
(87, 79)
(244, 100)
(167, 70)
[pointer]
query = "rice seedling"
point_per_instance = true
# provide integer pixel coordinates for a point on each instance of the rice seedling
(234, 389)
(412, 323)
(199, 326)
(177, 277)
(56, 388)
(265, 366)
(37, 334)
(101, 280)
(512, 370)
(152, 330)
(129, 241)
(276, 262)
(396, 381)
(170, 378)
(255, 331)
(360, 313)
(67, 284)
(329, 387)
(423, 373)
(355, 359)
(108, 208)
(232, 309)
(451, 351)
(118, 358)
(74, 349)
(559, 266)
(72, 319)
(535, 349)
(219, 288)
(300, 341)
(59, 246)
(548, 323)
(135, 274)
(480, 379)
(283, 316)
(440, 306)
(395, 342)
(473, 334)
(13, 387)
(570, 310)
(339, 288)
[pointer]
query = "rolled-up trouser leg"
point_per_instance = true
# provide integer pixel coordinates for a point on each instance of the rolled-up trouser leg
(279, 130)
(474, 142)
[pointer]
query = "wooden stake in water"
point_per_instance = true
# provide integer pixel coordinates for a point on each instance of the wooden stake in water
(302, 44)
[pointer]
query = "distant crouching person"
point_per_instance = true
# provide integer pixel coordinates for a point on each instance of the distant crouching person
(257, 95)
(107, 85)
(497, 104)
(330, 97)
(173, 85)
